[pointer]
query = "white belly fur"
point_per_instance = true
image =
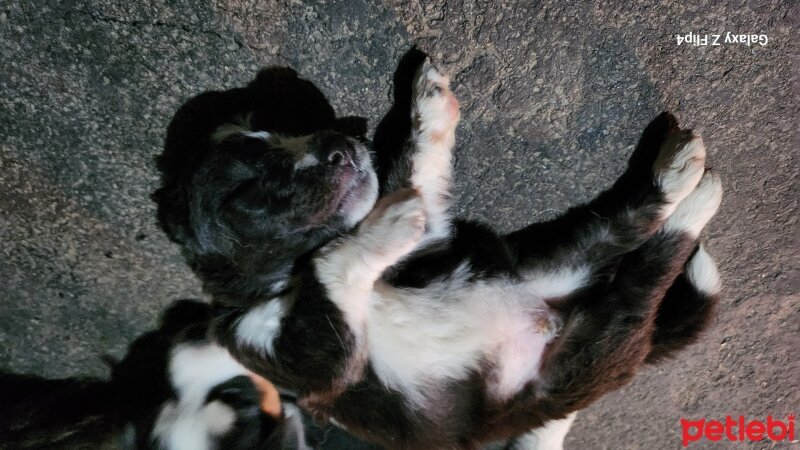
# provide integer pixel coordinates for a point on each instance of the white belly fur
(422, 337)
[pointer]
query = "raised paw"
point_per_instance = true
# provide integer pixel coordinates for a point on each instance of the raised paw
(396, 224)
(679, 167)
(694, 211)
(435, 109)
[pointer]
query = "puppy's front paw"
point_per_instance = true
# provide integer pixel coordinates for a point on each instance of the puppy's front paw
(435, 109)
(679, 167)
(396, 224)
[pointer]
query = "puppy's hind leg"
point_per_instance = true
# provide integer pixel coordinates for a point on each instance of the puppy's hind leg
(621, 218)
(608, 333)
(605, 340)
(689, 303)
(687, 308)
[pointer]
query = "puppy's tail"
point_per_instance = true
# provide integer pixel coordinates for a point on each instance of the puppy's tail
(71, 413)
(687, 308)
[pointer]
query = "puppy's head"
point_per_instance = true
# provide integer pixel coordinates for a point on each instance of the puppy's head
(256, 201)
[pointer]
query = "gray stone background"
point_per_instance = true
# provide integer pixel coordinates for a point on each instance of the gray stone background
(554, 95)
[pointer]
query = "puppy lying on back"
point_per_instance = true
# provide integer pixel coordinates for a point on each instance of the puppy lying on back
(411, 329)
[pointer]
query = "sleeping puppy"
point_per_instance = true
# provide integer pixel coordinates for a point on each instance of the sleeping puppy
(414, 330)
(174, 390)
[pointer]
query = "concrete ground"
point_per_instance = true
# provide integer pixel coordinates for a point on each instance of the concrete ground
(554, 95)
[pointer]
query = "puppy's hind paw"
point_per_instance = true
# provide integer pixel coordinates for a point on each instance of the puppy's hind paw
(435, 108)
(694, 212)
(679, 167)
(703, 273)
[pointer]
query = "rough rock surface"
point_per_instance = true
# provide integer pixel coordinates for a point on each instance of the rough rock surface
(554, 95)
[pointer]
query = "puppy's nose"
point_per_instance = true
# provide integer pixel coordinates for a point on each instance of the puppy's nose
(336, 150)
(336, 158)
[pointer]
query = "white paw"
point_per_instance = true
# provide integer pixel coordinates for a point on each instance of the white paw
(679, 167)
(397, 224)
(703, 273)
(693, 212)
(435, 108)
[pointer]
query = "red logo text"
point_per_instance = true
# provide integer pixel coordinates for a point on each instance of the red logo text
(737, 429)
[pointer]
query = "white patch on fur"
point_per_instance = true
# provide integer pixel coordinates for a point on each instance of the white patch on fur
(308, 160)
(234, 129)
(364, 205)
(263, 135)
(694, 212)
(548, 437)
(420, 337)
(294, 145)
(195, 369)
(678, 168)
(703, 274)
(259, 326)
(188, 423)
(291, 410)
(336, 423)
(339, 267)
(294, 430)
(558, 283)
(219, 417)
(278, 286)
(227, 130)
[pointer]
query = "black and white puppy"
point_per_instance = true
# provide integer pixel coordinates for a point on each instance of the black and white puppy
(173, 390)
(414, 330)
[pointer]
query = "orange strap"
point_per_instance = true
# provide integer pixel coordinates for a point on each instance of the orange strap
(270, 398)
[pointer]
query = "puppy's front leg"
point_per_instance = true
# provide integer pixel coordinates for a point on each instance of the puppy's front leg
(425, 161)
(434, 117)
(311, 339)
(349, 267)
